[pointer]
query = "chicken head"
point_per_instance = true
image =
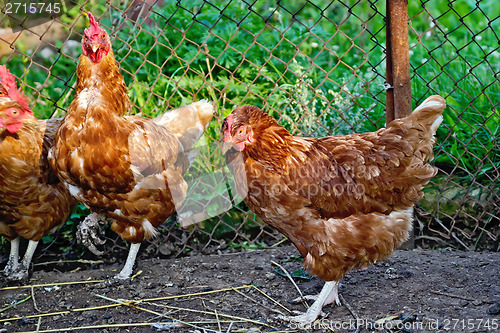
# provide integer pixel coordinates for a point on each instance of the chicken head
(237, 136)
(14, 109)
(96, 42)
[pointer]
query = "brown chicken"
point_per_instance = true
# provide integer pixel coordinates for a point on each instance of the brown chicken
(127, 168)
(32, 200)
(345, 201)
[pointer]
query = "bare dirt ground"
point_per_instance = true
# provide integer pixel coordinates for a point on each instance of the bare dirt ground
(432, 290)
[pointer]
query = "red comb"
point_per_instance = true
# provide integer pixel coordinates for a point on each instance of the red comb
(93, 22)
(9, 82)
(94, 26)
(6, 78)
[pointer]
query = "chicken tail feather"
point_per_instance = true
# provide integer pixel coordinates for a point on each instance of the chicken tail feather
(428, 114)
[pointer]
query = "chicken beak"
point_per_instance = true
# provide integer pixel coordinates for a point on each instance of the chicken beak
(95, 47)
(226, 146)
(227, 140)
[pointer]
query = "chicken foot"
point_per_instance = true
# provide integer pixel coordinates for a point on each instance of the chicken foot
(89, 232)
(15, 270)
(328, 295)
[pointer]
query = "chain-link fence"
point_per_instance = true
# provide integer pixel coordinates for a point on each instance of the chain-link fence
(316, 66)
(454, 50)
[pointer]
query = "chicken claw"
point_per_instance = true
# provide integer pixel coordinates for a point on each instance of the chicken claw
(20, 275)
(329, 294)
(89, 232)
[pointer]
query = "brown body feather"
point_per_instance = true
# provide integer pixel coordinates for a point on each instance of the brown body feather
(126, 167)
(344, 201)
(32, 200)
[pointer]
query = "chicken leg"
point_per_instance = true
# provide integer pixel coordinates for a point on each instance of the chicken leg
(13, 262)
(90, 233)
(328, 295)
(126, 271)
(14, 270)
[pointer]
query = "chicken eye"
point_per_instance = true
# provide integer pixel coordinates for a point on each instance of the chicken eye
(14, 112)
(103, 36)
(1, 93)
(240, 131)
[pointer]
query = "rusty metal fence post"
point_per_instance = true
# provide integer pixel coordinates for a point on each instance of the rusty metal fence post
(398, 97)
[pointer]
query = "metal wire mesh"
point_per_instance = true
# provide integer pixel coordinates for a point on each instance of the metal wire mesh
(457, 55)
(316, 66)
